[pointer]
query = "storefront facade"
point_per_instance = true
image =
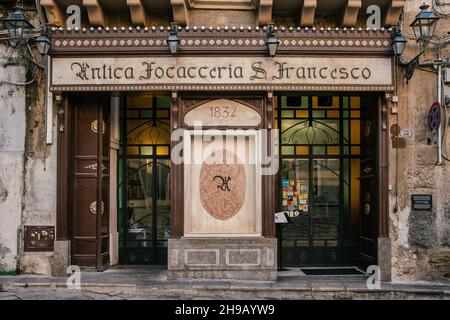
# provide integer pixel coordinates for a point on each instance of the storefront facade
(314, 110)
(133, 131)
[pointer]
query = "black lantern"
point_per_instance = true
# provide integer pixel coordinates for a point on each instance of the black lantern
(173, 39)
(19, 28)
(424, 25)
(43, 42)
(398, 44)
(272, 40)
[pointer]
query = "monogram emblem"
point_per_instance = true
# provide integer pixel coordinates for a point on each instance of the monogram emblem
(224, 186)
(94, 126)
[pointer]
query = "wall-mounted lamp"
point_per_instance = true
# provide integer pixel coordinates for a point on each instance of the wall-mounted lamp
(20, 33)
(398, 43)
(272, 41)
(173, 40)
(43, 42)
(19, 28)
(424, 25)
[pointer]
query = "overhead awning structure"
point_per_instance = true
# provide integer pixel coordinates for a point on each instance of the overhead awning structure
(146, 12)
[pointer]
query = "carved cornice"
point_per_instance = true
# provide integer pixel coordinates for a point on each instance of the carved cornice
(243, 41)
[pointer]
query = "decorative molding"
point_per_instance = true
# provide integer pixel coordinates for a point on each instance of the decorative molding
(138, 12)
(54, 12)
(180, 12)
(222, 4)
(265, 12)
(393, 12)
(239, 88)
(250, 41)
(95, 12)
(351, 11)
(308, 13)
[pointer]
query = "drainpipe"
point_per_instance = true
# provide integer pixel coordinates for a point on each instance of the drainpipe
(439, 94)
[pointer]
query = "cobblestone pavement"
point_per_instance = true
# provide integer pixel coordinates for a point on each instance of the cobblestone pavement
(150, 283)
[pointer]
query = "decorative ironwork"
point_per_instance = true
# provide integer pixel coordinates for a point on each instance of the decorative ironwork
(94, 167)
(147, 133)
(94, 126)
(310, 130)
(93, 207)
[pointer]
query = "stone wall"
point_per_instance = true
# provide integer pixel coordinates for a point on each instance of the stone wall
(420, 239)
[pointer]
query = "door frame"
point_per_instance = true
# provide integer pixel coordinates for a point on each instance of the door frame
(65, 171)
(122, 161)
(382, 181)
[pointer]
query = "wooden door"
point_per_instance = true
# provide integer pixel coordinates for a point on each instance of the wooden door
(369, 181)
(90, 182)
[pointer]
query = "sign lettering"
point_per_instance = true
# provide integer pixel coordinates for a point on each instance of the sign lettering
(222, 70)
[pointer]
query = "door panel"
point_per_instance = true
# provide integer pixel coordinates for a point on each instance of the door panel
(325, 134)
(295, 236)
(368, 181)
(149, 210)
(90, 231)
(325, 208)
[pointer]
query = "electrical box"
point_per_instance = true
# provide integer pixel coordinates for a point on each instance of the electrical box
(447, 76)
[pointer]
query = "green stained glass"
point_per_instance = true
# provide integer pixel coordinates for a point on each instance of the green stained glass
(319, 150)
(346, 150)
(287, 114)
(163, 102)
(146, 151)
(346, 131)
(345, 102)
(287, 151)
(146, 113)
(318, 114)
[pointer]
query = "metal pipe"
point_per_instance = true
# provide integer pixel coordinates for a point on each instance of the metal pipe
(439, 94)
(17, 83)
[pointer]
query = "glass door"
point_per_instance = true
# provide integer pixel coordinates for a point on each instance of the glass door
(325, 210)
(319, 178)
(144, 180)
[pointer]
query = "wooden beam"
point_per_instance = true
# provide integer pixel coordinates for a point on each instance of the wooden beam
(180, 11)
(351, 11)
(95, 12)
(308, 13)
(138, 13)
(54, 13)
(393, 12)
(265, 12)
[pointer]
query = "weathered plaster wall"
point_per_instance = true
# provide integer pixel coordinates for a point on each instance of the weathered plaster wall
(12, 149)
(39, 200)
(27, 163)
(420, 239)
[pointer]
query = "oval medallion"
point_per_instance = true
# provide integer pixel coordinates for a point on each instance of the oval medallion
(223, 185)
